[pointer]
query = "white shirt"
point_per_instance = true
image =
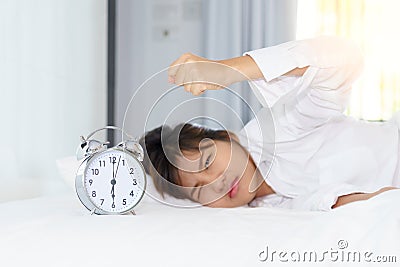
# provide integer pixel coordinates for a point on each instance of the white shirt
(307, 150)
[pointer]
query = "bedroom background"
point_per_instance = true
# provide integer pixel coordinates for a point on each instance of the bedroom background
(70, 66)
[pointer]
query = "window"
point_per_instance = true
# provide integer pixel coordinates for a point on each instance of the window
(373, 25)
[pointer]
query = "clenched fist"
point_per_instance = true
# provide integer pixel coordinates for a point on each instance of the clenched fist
(197, 74)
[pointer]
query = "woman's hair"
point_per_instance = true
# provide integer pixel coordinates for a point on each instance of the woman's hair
(160, 145)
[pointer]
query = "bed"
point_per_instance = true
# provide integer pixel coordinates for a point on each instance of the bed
(56, 230)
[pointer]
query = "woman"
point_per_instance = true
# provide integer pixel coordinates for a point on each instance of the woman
(322, 158)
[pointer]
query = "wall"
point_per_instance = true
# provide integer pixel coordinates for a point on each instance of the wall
(53, 87)
(150, 35)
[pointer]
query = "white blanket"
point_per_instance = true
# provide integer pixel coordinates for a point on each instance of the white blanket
(58, 231)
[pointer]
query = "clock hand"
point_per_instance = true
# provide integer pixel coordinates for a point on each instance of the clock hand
(113, 182)
(117, 166)
(113, 175)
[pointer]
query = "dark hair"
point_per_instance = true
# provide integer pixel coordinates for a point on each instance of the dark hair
(165, 175)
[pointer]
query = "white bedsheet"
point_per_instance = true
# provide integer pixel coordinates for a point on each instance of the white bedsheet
(58, 231)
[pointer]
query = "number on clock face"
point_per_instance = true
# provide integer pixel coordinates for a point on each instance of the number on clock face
(114, 181)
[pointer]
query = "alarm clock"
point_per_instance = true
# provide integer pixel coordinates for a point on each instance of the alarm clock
(110, 180)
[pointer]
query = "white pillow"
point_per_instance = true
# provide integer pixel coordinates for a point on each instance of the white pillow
(69, 165)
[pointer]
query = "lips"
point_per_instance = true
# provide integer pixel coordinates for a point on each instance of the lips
(234, 188)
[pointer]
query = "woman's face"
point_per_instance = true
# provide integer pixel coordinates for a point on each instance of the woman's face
(219, 175)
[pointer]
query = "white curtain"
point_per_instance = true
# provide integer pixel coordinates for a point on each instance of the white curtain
(53, 87)
(232, 27)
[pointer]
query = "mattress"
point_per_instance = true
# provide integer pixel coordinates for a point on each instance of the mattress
(56, 230)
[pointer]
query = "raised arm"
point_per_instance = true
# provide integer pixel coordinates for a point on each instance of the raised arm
(199, 74)
(336, 61)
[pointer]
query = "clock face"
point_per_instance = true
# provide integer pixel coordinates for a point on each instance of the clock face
(114, 181)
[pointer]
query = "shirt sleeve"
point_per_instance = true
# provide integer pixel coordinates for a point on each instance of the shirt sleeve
(322, 92)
